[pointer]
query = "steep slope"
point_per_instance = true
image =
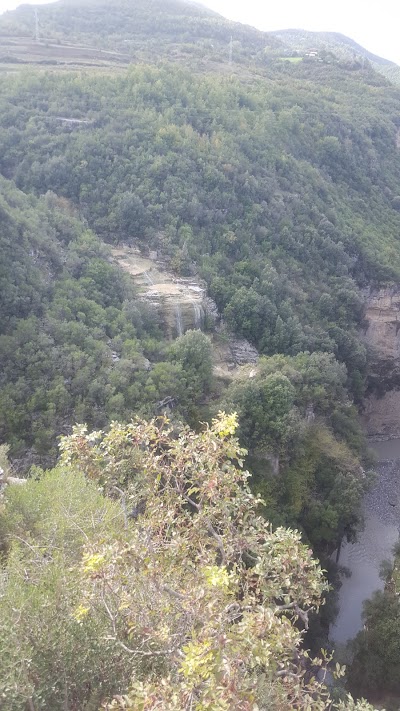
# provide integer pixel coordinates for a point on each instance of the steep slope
(138, 30)
(338, 45)
(68, 321)
(269, 202)
(344, 46)
(283, 191)
(276, 183)
(29, 257)
(279, 187)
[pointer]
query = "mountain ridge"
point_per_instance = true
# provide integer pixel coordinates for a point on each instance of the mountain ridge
(143, 31)
(342, 46)
(338, 39)
(176, 30)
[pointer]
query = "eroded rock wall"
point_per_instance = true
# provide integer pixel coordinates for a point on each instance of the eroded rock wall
(381, 415)
(382, 322)
(183, 303)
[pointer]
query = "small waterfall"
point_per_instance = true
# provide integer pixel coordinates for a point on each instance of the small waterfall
(148, 278)
(198, 315)
(178, 320)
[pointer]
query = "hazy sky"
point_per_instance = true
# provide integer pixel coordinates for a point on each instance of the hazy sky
(373, 24)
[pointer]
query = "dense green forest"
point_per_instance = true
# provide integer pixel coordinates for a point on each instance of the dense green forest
(75, 340)
(278, 184)
(283, 193)
(78, 345)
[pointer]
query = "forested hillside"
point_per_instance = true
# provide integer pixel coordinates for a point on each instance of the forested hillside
(337, 43)
(334, 47)
(75, 340)
(145, 31)
(64, 310)
(283, 193)
(274, 184)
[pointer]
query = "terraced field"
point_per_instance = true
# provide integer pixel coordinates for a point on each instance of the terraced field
(17, 51)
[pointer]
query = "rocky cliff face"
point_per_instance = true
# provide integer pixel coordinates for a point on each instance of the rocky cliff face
(182, 303)
(382, 336)
(381, 416)
(382, 317)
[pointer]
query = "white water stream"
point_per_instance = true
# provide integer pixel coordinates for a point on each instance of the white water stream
(179, 320)
(375, 544)
(198, 315)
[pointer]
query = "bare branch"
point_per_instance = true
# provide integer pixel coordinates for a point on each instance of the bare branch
(174, 593)
(134, 652)
(302, 614)
(123, 504)
(219, 540)
(210, 529)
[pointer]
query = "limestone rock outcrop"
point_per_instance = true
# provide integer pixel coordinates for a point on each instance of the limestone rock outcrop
(382, 318)
(181, 302)
(381, 416)
(381, 334)
(243, 353)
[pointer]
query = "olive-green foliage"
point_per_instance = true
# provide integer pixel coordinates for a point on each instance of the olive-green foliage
(200, 583)
(192, 353)
(64, 309)
(49, 656)
(323, 487)
(376, 666)
(4, 463)
(295, 411)
(281, 189)
(203, 167)
(159, 606)
(264, 405)
(73, 334)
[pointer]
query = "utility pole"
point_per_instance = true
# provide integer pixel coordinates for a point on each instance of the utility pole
(37, 36)
(230, 50)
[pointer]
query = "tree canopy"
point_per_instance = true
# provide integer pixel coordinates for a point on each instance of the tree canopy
(275, 185)
(143, 556)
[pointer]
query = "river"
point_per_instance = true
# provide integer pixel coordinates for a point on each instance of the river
(363, 559)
